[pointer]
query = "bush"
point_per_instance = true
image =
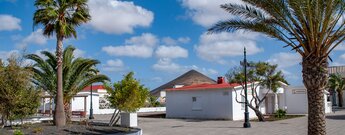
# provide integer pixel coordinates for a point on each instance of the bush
(18, 132)
(280, 113)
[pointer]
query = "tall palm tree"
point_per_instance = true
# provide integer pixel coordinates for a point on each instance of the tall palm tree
(312, 28)
(337, 83)
(60, 17)
(78, 73)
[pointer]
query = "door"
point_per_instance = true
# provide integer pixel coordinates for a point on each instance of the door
(269, 104)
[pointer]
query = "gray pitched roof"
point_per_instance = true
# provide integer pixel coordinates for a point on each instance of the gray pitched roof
(188, 78)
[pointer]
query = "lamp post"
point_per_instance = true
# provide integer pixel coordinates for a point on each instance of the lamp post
(91, 109)
(246, 123)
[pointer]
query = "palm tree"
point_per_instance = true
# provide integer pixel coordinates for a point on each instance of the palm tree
(60, 17)
(337, 83)
(78, 74)
(312, 28)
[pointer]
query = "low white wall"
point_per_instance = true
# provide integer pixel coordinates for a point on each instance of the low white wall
(152, 109)
(148, 109)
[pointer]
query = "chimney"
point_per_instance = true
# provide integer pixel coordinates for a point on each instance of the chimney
(220, 80)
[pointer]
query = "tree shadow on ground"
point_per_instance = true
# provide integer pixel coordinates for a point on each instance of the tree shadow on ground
(93, 131)
(336, 117)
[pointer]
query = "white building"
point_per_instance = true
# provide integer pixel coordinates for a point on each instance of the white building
(218, 101)
(81, 102)
(206, 101)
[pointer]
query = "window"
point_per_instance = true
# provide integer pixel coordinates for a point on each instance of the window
(194, 99)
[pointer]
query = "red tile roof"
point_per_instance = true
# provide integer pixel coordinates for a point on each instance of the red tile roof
(205, 87)
(94, 88)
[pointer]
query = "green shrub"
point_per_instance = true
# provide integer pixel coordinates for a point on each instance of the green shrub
(18, 132)
(280, 113)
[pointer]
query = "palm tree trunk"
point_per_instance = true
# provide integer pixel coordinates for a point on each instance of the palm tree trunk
(59, 108)
(340, 98)
(68, 111)
(315, 76)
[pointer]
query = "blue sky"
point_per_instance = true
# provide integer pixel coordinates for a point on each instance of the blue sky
(157, 39)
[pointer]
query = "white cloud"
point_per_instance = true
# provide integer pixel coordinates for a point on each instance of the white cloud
(118, 17)
(35, 37)
(215, 47)
(114, 65)
(168, 66)
(289, 75)
(8, 23)
(171, 52)
(79, 53)
(146, 39)
(285, 60)
(139, 46)
(184, 40)
(207, 12)
(4, 55)
(171, 41)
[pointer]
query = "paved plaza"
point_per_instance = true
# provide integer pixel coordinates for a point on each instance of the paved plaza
(295, 126)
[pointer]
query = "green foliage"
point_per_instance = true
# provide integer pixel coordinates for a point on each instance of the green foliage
(78, 72)
(19, 98)
(18, 132)
(262, 72)
(61, 17)
(152, 101)
(336, 82)
(280, 113)
(128, 94)
(311, 28)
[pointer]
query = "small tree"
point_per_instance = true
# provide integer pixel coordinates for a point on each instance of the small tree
(127, 95)
(18, 97)
(29, 102)
(261, 74)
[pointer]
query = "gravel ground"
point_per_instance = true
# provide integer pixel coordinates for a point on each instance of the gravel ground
(50, 129)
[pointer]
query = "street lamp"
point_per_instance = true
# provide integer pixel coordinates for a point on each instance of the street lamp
(246, 123)
(91, 109)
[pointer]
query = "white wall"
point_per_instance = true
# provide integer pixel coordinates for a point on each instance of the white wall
(237, 110)
(297, 101)
(214, 104)
(78, 103)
